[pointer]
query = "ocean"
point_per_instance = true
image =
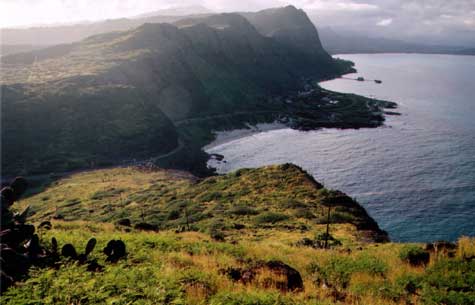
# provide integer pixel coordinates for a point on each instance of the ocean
(415, 175)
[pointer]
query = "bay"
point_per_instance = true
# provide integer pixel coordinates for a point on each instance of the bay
(416, 174)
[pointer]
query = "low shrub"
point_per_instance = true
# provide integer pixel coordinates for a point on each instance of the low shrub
(414, 255)
(331, 241)
(174, 214)
(449, 281)
(304, 213)
(251, 298)
(198, 283)
(270, 217)
(409, 283)
(371, 265)
(107, 194)
(337, 271)
(386, 290)
(466, 247)
(217, 235)
(243, 210)
(210, 196)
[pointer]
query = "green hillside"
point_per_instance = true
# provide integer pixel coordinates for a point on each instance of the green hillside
(121, 93)
(245, 231)
(273, 197)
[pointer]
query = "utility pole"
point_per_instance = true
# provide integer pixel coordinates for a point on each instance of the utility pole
(327, 234)
(187, 222)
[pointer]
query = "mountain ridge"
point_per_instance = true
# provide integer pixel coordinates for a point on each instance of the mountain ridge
(21, 40)
(164, 73)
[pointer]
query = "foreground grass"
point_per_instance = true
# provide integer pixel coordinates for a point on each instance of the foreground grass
(187, 268)
(232, 221)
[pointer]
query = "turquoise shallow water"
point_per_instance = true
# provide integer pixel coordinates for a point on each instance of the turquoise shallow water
(415, 175)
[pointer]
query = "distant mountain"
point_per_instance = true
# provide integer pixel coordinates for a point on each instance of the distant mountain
(53, 35)
(466, 51)
(338, 42)
(289, 26)
(334, 41)
(178, 11)
(115, 96)
(6, 49)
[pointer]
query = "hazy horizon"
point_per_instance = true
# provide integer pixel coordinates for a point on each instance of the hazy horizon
(432, 21)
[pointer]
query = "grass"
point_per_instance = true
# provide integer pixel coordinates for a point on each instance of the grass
(187, 268)
(236, 221)
(273, 197)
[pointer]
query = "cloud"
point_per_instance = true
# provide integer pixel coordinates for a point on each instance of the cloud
(399, 19)
(340, 6)
(385, 22)
(25, 12)
(432, 21)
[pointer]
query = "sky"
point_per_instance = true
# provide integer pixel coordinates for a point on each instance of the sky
(439, 20)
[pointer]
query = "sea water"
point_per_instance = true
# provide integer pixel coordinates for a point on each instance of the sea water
(416, 174)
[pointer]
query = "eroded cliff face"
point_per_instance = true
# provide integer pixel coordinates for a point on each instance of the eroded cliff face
(289, 26)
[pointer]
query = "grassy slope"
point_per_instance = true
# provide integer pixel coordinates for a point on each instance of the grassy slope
(280, 197)
(187, 268)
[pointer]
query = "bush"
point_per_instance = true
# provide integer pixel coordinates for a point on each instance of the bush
(304, 213)
(217, 235)
(197, 279)
(384, 289)
(270, 217)
(210, 196)
(320, 241)
(450, 281)
(294, 204)
(414, 255)
(371, 265)
(340, 217)
(250, 298)
(337, 271)
(173, 214)
(243, 210)
(409, 283)
(107, 194)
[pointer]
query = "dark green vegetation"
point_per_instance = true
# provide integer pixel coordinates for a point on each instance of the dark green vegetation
(221, 239)
(158, 91)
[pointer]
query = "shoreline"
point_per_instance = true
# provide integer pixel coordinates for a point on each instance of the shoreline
(226, 136)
